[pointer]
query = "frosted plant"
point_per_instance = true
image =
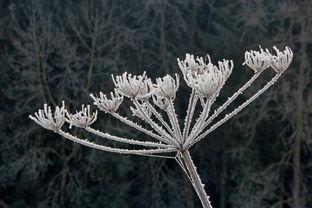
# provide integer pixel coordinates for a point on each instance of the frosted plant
(154, 104)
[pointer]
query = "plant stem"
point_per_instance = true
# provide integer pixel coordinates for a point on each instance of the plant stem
(197, 184)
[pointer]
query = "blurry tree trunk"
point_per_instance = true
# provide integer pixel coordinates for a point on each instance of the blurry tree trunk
(223, 180)
(192, 30)
(299, 123)
(163, 46)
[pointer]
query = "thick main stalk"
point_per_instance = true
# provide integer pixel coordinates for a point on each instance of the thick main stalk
(196, 181)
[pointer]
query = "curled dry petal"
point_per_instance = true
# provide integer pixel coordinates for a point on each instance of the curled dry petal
(108, 105)
(52, 121)
(166, 87)
(83, 118)
(133, 86)
(257, 60)
(281, 61)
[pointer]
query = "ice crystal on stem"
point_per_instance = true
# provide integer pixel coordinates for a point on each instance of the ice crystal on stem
(201, 75)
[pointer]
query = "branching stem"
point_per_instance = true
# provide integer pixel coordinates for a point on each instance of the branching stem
(231, 99)
(189, 114)
(241, 107)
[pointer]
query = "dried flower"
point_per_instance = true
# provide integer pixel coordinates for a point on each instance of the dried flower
(108, 105)
(83, 118)
(198, 65)
(282, 60)
(48, 120)
(257, 61)
(134, 87)
(166, 87)
(211, 81)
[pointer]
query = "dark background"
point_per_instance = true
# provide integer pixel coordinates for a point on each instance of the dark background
(63, 50)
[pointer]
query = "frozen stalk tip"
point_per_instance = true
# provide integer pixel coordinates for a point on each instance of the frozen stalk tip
(154, 104)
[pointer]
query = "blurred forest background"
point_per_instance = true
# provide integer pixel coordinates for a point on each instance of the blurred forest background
(63, 50)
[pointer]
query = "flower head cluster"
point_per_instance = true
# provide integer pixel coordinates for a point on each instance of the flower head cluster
(134, 87)
(210, 82)
(166, 87)
(257, 61)
(52, 121)
(108, 105)
(198, 65)
(281, 61)
(83, 118)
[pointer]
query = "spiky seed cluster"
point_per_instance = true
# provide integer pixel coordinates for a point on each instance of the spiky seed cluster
(134, 87)
(47, 119)
(166, 87)
(281, 61)
(108, 105)
(198, 65)
(257, 60)
(212, 80)
(83, 118)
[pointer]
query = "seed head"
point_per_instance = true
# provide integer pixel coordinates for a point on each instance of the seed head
(108, 105)
(134, 87)
(281, 61)
(257, 61)
(83, 118)
(48, 120)
(211, 81)
(166, 87)
(198, 65)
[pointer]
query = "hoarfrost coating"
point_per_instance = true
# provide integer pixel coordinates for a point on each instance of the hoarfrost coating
(154, 105)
